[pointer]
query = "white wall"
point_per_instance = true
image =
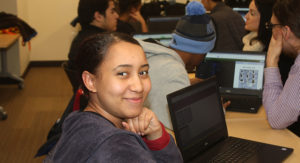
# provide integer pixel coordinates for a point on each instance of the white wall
(24, 51)
(8, 6)
(51, 19)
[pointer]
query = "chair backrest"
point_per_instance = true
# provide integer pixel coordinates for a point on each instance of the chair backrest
(72, 76)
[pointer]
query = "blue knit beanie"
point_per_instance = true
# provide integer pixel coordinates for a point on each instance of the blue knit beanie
(195, 32)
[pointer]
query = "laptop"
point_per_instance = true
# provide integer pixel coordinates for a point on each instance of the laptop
(240, 75)
(162, 24)
(201, 132)
(161, 38)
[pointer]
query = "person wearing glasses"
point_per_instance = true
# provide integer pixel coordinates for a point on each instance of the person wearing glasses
(282, 103)
(258, 39)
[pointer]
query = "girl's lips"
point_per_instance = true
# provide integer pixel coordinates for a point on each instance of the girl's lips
(135, 100)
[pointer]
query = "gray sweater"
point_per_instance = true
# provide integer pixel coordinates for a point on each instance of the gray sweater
(168, 74)
(88, 137)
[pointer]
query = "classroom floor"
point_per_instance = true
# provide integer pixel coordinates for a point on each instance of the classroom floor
(31, 112)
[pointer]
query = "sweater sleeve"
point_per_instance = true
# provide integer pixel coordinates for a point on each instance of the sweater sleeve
(159, 143)
(282, 104)
(131, 148)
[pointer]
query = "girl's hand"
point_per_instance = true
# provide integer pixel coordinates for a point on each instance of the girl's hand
(146, 124)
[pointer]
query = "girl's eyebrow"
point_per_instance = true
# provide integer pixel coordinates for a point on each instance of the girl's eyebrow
(128, 66)
(145, 65)
(124, 65)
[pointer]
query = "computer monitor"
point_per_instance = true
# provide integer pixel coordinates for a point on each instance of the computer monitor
(162, 38)
(241, 11)
(162, 24)
(238, 69)
(238, 3)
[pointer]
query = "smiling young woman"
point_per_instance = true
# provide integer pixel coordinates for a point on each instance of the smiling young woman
(115, 126)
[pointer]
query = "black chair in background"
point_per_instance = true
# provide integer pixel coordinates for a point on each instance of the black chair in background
(56, 130)
(157, 8)
(295, 127)
(238, 3)
(3, 114)
(162, 24)
(176, 9)
(72, 76)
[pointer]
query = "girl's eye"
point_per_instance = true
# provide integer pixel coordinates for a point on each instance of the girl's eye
(122, 74)
(143, 73)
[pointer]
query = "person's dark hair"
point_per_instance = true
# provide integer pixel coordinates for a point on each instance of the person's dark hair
(87, 9)
(92, 51)
(125, 5)
(217, 0)
(287, 13)
(264, 7)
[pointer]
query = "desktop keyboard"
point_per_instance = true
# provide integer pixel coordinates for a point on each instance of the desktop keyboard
(237, 151)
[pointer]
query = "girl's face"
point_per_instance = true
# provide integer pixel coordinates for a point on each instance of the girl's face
(252, 18)
(122, 82)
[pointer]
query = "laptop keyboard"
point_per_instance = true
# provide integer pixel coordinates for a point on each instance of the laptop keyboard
(237, 151)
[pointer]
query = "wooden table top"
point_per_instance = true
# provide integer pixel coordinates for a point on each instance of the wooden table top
(7, 39)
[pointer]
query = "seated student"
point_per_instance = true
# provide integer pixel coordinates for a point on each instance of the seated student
(129, 11)
(95, 16)
(282, 103)
(260, 12)
(193, 37)
(114, 126)
(229, 30)
(229, 25)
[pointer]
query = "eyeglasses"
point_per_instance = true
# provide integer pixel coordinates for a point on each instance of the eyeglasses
(269, 25)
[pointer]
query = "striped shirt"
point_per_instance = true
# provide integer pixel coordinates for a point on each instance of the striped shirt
(282, 104)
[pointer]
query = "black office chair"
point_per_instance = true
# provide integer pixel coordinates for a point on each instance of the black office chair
(295, 127)
(72, 76)
(55, 131)
(3, 114)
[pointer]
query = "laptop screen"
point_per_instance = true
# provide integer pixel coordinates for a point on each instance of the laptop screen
(163, 24)
(197, 117)
(163, 38)
(242, 70)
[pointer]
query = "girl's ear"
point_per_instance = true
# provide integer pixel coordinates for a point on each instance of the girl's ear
(89, 81)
